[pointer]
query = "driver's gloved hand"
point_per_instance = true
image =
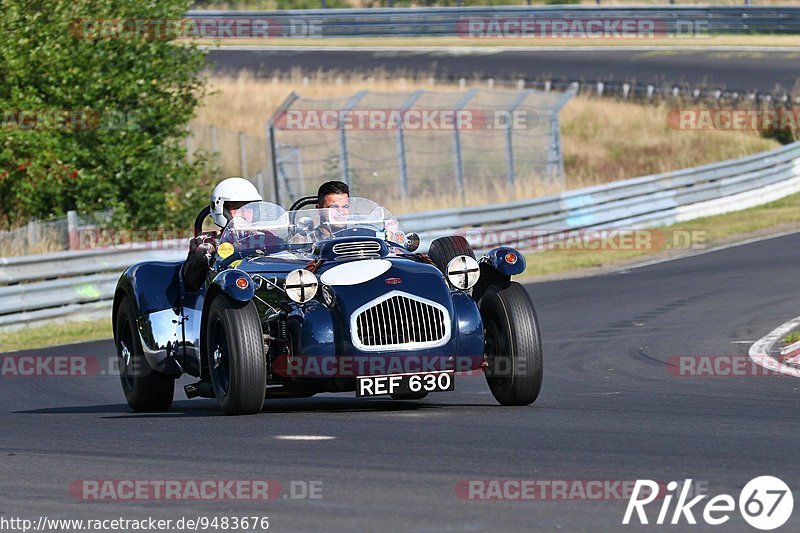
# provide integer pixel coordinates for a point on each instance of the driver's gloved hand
(207, 251)
(198, 262)
(196, 242)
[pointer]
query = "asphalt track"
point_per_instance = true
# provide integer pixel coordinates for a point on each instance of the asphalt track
(741, 71)
(609, 410)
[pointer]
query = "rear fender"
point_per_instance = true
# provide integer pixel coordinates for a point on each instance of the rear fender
(153, 288)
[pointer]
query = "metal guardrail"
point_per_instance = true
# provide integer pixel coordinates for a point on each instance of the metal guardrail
(449, 21)
(52, 286)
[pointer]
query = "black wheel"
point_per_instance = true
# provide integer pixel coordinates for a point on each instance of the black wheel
(145, 389)
(513, 346)
(409, 396)
(444, 249)
(236, 360)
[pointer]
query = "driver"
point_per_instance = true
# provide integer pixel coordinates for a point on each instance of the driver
(334, 195)
(227, 200)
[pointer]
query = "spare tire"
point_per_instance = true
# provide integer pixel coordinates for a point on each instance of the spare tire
(444, 249)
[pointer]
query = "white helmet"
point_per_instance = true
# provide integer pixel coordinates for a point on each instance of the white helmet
(231, 190)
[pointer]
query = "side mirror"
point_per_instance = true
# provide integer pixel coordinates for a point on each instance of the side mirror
(412, 241)
(305, 225)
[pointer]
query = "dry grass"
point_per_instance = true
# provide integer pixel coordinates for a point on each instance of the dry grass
(606, 140)
(603, 139)
(244, 103)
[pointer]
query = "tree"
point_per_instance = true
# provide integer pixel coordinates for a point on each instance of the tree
(91, 120)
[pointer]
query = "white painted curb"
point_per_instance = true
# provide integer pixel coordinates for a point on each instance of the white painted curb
(759, 351)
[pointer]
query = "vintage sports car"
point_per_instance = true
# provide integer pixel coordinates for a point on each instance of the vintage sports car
(306, 301)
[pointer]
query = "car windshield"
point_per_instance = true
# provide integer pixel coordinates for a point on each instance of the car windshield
(267, 227)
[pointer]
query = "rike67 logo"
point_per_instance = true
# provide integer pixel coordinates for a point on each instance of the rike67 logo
(765, 503)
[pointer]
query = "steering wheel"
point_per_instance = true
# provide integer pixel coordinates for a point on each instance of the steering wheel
(201, 217)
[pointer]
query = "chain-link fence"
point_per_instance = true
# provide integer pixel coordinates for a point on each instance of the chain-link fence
(52, 235)
(421, 148)
(413, 151)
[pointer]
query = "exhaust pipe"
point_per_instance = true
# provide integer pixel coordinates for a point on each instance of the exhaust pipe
(202, 389)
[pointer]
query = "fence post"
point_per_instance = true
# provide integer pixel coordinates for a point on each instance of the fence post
(509, 136)
(32, 237)
(279, 114)
(555, 159)
(243, 154)
(260, 183)
(344, 163)
(457, 144)
(72, 230)
(273, 159)
(401, 143)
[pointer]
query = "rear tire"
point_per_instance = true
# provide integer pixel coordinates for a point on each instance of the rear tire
(236, 356)
(145, 389)
(444, 249)
(513, 345)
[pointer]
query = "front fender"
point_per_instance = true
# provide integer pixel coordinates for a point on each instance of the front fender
(497, 258)
(496, 269)
(227, 283)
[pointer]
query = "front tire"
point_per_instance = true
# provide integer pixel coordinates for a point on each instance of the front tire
(145, 389)
(236, 357)
(513, 345)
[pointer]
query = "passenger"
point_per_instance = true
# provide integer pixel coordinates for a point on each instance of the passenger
(226, 201)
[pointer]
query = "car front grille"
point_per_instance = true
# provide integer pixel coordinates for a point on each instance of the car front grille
(400, 321)
(357, 250)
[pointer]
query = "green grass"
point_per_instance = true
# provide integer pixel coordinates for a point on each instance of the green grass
(711, 231)
(52, 335)
(792, 337)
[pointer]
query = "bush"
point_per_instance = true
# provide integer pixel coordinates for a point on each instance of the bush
(126, 104)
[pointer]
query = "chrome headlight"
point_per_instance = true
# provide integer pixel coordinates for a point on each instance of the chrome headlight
(463, 272)
(301, 285)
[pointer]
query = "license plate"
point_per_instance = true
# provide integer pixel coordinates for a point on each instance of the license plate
(405, 383)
